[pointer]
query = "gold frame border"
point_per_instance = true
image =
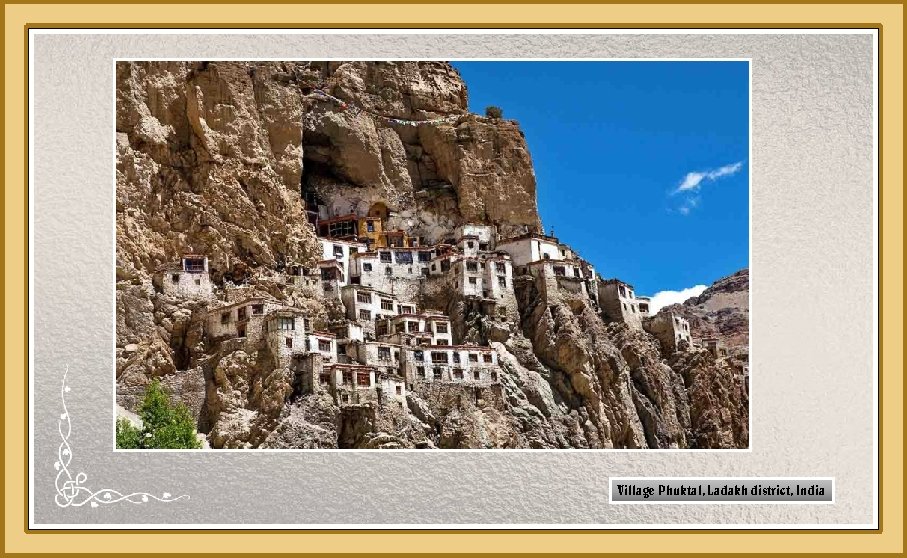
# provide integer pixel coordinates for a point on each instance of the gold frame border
(709, 14)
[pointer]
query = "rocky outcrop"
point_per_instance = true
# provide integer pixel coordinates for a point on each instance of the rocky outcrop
(224, 159)
(721, 311)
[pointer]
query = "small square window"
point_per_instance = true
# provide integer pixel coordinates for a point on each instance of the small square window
(385, 257)
(420, 372)
(472, 280)
(175, 277)
(289, 342)
(436, 373)
(366, 267)
(224, 317)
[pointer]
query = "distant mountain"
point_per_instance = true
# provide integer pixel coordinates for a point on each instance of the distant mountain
(722, 310)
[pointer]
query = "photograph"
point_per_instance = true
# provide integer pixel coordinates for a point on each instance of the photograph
(432, 255)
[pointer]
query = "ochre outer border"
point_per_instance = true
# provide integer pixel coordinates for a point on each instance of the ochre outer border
(18, 18)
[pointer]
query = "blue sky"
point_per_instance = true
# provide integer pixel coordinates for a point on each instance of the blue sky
(641, 166)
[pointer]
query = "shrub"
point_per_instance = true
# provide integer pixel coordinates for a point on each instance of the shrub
(164, 425)
(494, 112)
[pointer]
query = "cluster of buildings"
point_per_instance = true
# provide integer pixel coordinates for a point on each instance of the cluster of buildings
(388, 344)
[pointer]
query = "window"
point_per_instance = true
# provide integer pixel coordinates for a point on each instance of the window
(576, 272)
(445, 265)
(365, 298)
(327, 274)
(469, 244)
(198, 281)
(344, 398)
(483, 246)
(306, 324)
(500, 268)
(436, 373)
(494, 376)
(433, 268)
(404, 257)
(456, 357)
(418, 356)
(487, 357)
(424, 256)
(385, 257)
(381, 328)
(338, 251)
(365, 315)
(412, 327)
(437, 356)
(387, 304)
(398, 390)
(341, 349)
(258, 309)
(425, 272)
(324, 345)
(241, 331)
(363, 379)
(175, 277)
(476, 375)
(347, 378)
(388, 271)
(559, 271)
(241, 314)
(442, 341)
(472, 266)
(286, 324)
(289, 342)
(420, 372)
(324, 379)
(370, 225)
(194, 265)
(366, 267)
(224, 317)
(458, 373)
(502, 281)
(472, 280)
(546, 256)
(473, 357)
(384, 353)
(407, 310)
(441, 327)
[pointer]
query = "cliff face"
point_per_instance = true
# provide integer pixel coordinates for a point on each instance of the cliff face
(721, 311)
(219, 159)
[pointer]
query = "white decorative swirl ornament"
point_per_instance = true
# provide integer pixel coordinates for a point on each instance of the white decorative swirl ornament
(70, 491)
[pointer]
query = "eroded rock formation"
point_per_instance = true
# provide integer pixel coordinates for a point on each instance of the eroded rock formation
(220, 159)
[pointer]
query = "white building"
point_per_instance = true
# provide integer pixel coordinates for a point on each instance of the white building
(189, 279)
(398, 271)
(427, 328)
(532, 247)
(340, 250)
(618, 303)
(485, 235)
(453, 363)
(365, 305)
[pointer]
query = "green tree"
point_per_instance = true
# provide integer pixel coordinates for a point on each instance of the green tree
(494, 112)
(164, 425)
(128, 436)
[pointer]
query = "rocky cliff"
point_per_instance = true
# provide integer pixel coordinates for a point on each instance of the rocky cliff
(220, 159)
(721, 311)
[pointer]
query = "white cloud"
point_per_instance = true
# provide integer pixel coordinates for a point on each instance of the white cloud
(666, 298)
(693, 180)
(692, 183)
